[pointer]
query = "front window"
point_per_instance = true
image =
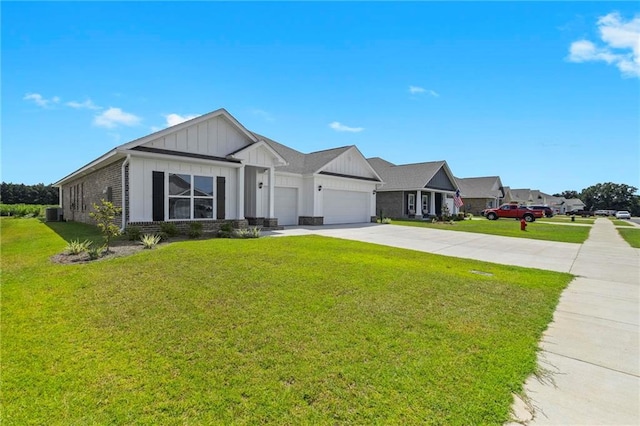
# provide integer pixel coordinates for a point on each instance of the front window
(412, 202)
(190, 197)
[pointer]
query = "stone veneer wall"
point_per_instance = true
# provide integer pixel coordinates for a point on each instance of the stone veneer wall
(390, 203)
(90, 189)
(311, 220)
(183, 225)
(474, 205)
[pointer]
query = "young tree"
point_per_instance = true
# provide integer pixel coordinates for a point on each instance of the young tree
(104, 215)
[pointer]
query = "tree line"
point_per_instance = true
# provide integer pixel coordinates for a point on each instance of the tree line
(18, 193)
(607, 196)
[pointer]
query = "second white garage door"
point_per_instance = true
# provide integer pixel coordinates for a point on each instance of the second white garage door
(345, 206)
(286, 206)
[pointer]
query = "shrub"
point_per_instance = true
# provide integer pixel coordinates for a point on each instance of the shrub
(77, 246)
(104, 215)
(133, 233)
(386, 220)
(253, 232)
(23, 210)
(149, 241)
(170, 229)
(226, 230)
(195, 230)
(95, 251)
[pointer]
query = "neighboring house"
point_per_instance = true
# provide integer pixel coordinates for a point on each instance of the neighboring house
(479, 193)
(571, 204)
(414, 190)
(530, 197)
(212, 169)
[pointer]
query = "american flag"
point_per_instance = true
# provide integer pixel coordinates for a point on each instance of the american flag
(457, 199)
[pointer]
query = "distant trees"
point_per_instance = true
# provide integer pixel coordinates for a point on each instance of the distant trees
(14, 193)
(568, 194)
(609, 196)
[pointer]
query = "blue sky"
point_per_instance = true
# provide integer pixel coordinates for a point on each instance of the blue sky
(545, 95)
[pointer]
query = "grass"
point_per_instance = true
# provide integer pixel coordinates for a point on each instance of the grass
(619, 222)
(291, 330)
(631, 236)
(537, 230)
(567, 219)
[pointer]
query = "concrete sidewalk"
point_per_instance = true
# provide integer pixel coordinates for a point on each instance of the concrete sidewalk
(590, 355)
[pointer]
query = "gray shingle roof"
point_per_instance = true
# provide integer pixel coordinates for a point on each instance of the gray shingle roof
(480, 187)
(303, 163)
(406, 176)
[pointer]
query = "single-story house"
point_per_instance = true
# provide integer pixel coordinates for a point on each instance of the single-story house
(480, 193)
(414, 190)
(213, 170)
(534, 197)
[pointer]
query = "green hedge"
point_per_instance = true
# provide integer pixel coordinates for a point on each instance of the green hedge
(23, 210)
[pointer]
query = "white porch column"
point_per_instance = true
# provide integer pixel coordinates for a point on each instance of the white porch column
(240, 193)
(272, 192)
(419, 203)
(432, 201)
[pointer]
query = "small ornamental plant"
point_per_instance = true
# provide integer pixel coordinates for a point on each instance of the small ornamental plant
(104, 214)
(76, 246)
(149, 241)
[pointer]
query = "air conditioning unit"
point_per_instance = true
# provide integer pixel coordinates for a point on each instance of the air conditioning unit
(53, 214)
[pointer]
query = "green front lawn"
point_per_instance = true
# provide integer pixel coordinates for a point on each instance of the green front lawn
(561, 218)
(631, 235)
(288, 330)
(538, 230)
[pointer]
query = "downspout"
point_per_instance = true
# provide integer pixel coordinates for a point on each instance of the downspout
(124, 198)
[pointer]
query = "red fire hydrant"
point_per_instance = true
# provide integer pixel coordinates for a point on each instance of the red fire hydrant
(523, 224)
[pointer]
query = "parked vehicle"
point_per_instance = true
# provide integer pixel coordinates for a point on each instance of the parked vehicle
(583, 213)
(513, 211)
(623, 214)
(601, 213)
(548, 211)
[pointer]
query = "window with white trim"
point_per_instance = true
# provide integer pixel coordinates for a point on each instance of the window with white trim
(425, 203)
(190, 196)
(411, 202)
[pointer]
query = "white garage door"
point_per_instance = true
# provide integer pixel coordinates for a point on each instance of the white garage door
(286, 206)
(345, 206)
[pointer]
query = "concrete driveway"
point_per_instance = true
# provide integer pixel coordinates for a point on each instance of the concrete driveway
(539, 254)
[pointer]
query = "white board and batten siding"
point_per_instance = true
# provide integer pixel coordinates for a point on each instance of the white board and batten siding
(141, 184)
(215, 137)
(350, 163)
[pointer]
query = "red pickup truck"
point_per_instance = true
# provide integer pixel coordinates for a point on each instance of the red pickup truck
(513, 211)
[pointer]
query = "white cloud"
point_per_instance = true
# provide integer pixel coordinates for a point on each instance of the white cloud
(114, 117)
(173, 119)
(39, 100)
(416, 90)
(338, 127)
(263, 114)
(87, 104)
(621, 45)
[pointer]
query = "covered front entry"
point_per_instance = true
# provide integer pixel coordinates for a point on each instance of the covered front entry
(286, 206)
(346, 206)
